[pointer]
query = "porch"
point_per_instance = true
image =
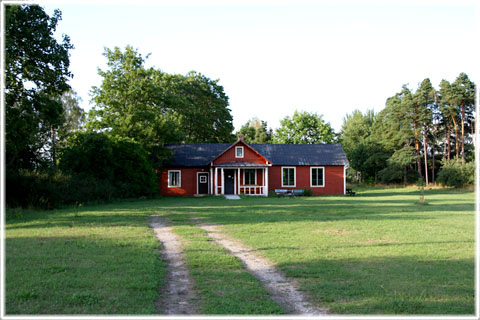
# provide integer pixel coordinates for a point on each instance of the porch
(240, 177)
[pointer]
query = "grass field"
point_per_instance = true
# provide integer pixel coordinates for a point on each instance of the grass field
(375, 253)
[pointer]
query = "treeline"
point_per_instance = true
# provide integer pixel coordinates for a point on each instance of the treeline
(424, 134)
(56, 154)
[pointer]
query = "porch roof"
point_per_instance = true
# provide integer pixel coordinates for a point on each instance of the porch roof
(241, 164)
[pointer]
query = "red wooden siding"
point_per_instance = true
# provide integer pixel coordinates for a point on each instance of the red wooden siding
(333, 179)
(188, 183)
(248, 155)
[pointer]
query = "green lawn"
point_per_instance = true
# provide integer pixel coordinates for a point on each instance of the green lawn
(375, 253)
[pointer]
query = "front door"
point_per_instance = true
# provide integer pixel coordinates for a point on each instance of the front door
(202, 182)
(229, 176)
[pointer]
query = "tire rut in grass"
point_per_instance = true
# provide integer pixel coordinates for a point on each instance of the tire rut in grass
(177, 297)
(283, 290)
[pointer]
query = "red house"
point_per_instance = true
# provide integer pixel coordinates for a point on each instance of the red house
(255, 169)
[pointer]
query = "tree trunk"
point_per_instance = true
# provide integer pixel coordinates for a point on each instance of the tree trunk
(433, 167)
(425, 156)
(54, 146)
(405, 176)
(445, 141)
(417, 151)
(449, 142)
(457, 147)
(433, 162)
(463, 132)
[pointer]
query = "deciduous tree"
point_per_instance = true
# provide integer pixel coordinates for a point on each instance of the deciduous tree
(304, 127)
(36, 74)
(255, 131)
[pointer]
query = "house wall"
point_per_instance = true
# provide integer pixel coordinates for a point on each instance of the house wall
(248, 155)
(333, 179)
(188, 186)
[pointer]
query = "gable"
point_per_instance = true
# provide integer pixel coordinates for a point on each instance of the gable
(249, 155)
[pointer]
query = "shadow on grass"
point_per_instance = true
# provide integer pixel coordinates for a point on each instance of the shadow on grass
(395, 205)
(82, 275)
(389, 285)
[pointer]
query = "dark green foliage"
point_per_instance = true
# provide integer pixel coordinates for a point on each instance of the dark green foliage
(456, 173)
(93, 168)
(32, 188)
(36, 73)
(407, 138)
(202, 106)
(307, 192)
(391, 174)
(255, 131)
(155, 108)
(120, 161)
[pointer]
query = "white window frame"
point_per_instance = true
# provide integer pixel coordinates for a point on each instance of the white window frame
(294, 177)
(179, 179)
(323, 177)
(255, 176)
(236, 152)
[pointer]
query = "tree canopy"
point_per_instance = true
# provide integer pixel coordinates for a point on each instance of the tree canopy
(413, 133)
(36, 75)
(155, 108)
(304, 127)
(255, 131)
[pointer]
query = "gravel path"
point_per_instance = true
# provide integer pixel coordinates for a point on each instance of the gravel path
(178, 297)
(283, 290)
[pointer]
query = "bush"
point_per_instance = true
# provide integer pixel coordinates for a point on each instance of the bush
(33, 188)
(456, 173)
(115, 162)
(391, 174)
(308, 192)
(93, 168)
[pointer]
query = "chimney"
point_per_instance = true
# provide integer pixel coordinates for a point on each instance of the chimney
(240, 137)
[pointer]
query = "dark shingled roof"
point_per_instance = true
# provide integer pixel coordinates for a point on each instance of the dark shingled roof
(196, 155)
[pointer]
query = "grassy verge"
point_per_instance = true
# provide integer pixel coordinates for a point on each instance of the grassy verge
(96, 260)
(224, 286)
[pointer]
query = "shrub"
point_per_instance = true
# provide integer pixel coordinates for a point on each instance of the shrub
(391, 174)
(93, 168)
(308, 192)
(114, 162)
(33, 188)
(456, 173)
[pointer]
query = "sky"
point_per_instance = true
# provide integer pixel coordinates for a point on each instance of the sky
(275, 57)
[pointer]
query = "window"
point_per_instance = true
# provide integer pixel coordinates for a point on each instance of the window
(174, 178)
(203, 179)
(288, 176)
(250, 177)
(317, 177)
(238, 152)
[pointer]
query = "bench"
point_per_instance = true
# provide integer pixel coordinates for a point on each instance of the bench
(283, 192)
(350, 192)
(289, 193)
(298, 192)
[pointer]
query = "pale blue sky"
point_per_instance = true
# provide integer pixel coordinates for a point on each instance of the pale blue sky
(328, 57)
